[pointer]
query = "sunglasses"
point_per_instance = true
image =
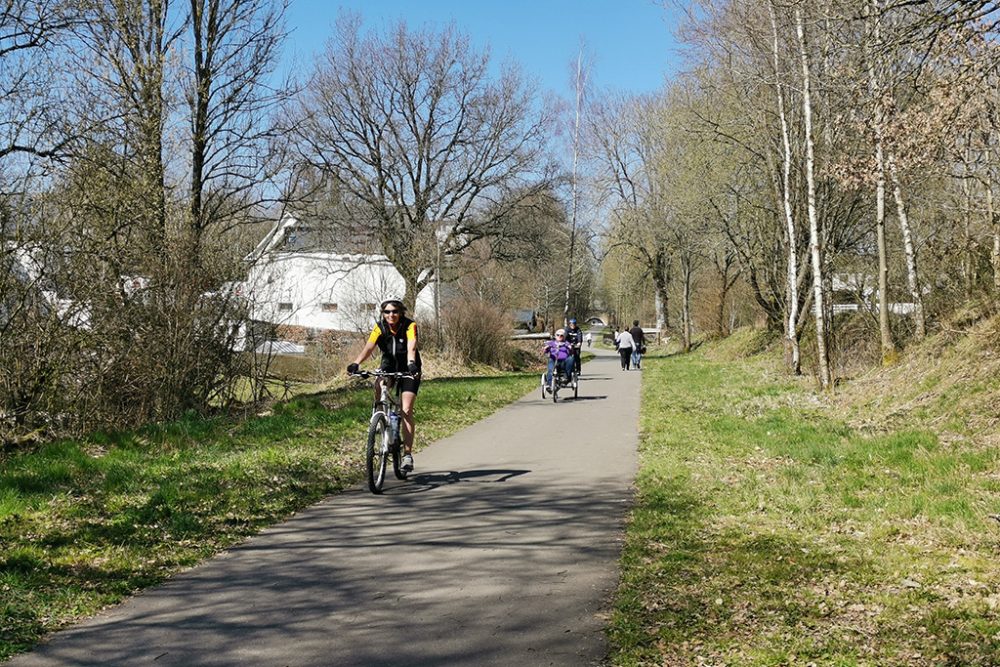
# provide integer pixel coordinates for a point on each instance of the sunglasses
(390, 312)
(560, 336)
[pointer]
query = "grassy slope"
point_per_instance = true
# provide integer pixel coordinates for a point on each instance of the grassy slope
(85, 523)
(950, 383)
(770, 531)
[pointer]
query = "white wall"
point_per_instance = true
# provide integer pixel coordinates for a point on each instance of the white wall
(304, 282)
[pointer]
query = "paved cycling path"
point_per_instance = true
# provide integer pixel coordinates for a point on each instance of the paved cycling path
(501, 549)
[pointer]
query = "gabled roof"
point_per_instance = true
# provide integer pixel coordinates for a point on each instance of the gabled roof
(292, 235)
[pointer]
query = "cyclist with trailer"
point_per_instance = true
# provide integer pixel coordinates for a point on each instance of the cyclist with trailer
(395, 335)
(560, 355)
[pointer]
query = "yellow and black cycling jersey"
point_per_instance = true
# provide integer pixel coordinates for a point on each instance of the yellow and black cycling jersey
(393, 343)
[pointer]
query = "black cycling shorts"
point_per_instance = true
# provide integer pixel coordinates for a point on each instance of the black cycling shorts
(409, 384)
(405, 384)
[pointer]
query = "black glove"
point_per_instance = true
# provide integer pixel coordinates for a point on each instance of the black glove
(412, 368)
(352, 369)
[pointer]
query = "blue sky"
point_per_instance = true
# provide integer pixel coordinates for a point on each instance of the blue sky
(629, 41)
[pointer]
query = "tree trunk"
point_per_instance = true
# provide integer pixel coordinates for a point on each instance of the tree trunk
(793, 354)
(661, 279)
(660, 309)
(885, 330)
(968, 259)
(815, 248)
(720, 319)
(725, 284)
(994, 221)
(875, 84)
(411, 291)
(911, 256)
(575, 203)
(202, 39)
(687, 271)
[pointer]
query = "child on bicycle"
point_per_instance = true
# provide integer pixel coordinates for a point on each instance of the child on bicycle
(560, 353)
(396, 336)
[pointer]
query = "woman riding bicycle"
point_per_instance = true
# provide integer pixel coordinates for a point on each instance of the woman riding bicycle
(396, 336)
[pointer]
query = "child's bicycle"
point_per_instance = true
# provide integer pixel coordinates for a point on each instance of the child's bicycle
(384, 435)
(558, 381)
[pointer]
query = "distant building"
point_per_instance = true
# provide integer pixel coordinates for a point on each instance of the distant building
(294, 281)
(526, 319)
(850, 291)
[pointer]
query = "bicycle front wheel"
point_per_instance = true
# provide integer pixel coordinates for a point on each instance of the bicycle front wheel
(377, 452)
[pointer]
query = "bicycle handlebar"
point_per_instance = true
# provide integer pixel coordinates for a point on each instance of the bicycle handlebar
(381, 373)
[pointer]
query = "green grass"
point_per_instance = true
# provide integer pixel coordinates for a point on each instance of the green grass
(767, 533)
(84, 524)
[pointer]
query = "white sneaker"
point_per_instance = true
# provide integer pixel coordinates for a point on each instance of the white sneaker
(407, 464)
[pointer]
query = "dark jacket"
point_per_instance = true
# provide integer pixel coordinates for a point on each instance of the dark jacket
(638, 337)
(574, 336)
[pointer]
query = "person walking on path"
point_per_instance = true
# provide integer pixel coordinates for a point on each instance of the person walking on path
(625, 346)
(639, 338)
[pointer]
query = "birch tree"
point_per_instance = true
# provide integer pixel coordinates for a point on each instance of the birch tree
(815, 244)
(874, 46)
(792, 278)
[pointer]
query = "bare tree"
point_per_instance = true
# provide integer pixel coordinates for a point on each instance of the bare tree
(625, 141)
(30, 120)
(579, 85)
(430, 152)
(873, 47)
(791, 321)
(234, 48)
(123, 68)
(815, 243)
(141, 215)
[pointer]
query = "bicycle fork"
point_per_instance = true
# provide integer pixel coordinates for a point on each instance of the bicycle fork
(386, 442)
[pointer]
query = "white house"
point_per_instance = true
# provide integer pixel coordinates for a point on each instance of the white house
(26, 266)
(850, 290)
(290, 283)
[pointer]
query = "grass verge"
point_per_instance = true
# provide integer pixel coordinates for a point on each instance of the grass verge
(766, 532)
(83, 524)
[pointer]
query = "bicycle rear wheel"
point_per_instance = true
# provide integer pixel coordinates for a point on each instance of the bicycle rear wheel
(377, 452)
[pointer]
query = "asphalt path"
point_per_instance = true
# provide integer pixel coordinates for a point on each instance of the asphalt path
(501, 549)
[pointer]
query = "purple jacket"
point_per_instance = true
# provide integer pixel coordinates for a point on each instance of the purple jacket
(558, 350)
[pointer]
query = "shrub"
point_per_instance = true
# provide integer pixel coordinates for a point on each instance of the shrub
(476, 331)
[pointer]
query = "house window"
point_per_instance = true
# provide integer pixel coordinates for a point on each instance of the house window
(329, 307)
(284, 307)
(369, 307)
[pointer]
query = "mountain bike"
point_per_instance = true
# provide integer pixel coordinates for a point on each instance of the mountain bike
(385, 437)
